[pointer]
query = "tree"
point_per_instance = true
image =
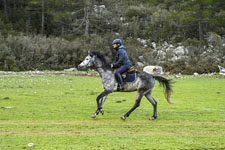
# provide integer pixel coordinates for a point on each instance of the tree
(201, 13)
(43, 17)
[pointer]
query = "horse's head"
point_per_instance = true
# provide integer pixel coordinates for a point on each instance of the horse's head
(90, 61)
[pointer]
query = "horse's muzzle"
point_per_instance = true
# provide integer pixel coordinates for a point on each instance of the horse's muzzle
(79, 67)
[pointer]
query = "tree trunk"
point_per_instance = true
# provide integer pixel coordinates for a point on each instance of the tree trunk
(5, 8)
(14, 10)
(87, 18)
(200, 30)
(43, 17)
(14, 4)
(21, 3)
(63, 20)
(28, 21)
(62, 30)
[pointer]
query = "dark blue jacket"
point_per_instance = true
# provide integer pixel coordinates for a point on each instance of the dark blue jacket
(121, 58)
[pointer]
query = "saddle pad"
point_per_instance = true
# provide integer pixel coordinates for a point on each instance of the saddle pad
(130, 77)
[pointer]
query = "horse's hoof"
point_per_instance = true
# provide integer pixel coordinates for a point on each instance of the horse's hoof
(93, 116)
(152, 118)
(102, 111)
(123, 118)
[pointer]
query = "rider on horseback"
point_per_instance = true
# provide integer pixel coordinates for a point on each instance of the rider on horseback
(121, 62)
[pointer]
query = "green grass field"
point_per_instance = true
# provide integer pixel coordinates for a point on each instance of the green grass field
(53, 112)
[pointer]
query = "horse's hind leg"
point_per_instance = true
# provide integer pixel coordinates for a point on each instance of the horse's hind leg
(137, 103)
(154, 104)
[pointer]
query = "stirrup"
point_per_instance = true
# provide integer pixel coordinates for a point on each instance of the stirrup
(119, 88)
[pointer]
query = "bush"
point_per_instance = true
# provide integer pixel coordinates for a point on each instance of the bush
(134, 11)
(22, 52)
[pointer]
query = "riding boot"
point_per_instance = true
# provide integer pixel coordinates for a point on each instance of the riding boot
(121, 85)
(120, 81)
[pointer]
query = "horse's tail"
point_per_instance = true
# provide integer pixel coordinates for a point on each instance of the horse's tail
(166, 85)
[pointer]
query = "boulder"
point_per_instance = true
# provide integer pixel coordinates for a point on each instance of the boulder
(153, 70)
(71, 69)
(139, 64)
(222, 70)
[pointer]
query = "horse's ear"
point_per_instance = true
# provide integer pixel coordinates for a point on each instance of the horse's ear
(90, 53)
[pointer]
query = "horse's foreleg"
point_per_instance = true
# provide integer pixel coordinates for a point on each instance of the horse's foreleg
(137, 103)
(101, 104)
(102, 96)
(154, 104)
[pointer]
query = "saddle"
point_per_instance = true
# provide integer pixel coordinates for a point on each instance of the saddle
(130, 75)
(131, 70)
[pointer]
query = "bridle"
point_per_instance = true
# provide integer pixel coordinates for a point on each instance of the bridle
(92, 62)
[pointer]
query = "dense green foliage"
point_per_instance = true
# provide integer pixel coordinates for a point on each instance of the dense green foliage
(31, 26)
(54, 112)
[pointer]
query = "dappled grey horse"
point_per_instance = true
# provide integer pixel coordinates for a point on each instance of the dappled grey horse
(143, 84)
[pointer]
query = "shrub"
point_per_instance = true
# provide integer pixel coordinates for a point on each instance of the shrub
(37, 52)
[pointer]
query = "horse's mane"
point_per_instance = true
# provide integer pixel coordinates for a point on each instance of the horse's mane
(102, 58)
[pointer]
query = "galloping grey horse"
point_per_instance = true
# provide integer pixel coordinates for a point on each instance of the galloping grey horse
(143, 84)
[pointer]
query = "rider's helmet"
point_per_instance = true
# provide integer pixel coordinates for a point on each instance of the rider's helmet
(117, 41)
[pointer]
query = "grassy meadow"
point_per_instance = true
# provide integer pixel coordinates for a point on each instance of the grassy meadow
(53, 112)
